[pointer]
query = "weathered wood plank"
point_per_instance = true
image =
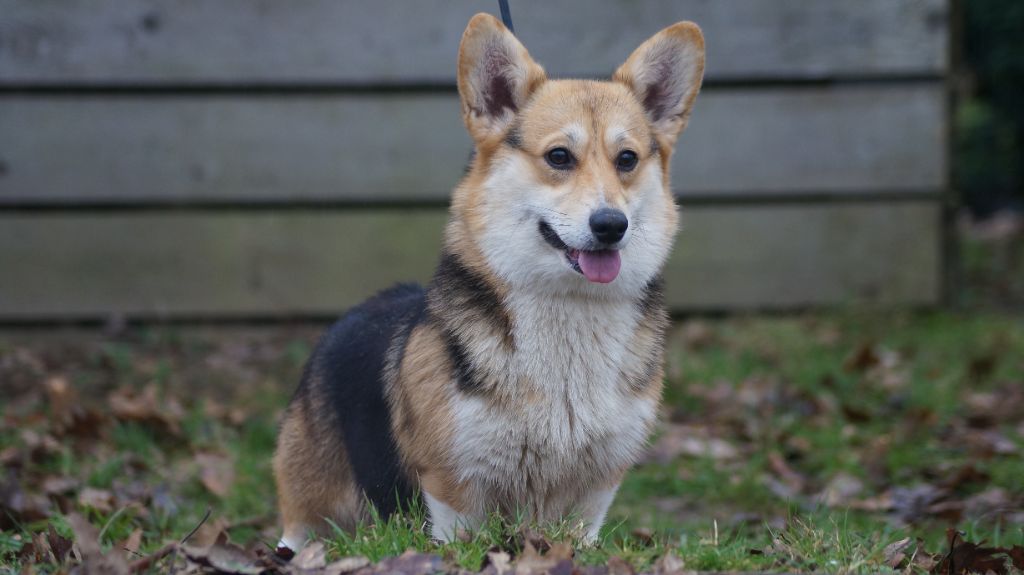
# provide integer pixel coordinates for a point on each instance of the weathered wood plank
(221, 265)
(365, 41)
(791, 256)
(413, 147)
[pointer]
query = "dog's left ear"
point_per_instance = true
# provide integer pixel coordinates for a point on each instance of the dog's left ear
(665, 74)
(495, 75)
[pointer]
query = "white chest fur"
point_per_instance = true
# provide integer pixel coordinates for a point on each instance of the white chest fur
(567, 422)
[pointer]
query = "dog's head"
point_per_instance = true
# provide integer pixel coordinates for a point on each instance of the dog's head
(569, 187)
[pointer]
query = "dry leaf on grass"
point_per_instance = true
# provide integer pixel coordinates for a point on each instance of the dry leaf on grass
(224, 557)
(146, 407)
(99, 499)
(619, 566)
(793, 480)
(59, 545)
(862, 359)
(216, 472)
(133, 542)
(691, 441)
(697, 334)
(557, 560)
(497, 563)
(907, 554)
(966, 557)
(669, 564)
(94, 561)
(312, 556)
(16, 505)
(59, 485)
(895, 553)
(35, 551)
(410, 563)
(346, 565)
(841, 490)
(210, 532)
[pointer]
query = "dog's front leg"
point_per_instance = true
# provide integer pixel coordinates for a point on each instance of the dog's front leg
(445, 521)
(592, 507)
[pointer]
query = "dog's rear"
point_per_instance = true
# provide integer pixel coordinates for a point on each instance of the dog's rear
(527, 376)
(336, 452)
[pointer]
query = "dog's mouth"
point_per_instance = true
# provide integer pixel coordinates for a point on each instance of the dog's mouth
(598, 266)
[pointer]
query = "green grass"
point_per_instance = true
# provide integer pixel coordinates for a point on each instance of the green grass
(772, 387)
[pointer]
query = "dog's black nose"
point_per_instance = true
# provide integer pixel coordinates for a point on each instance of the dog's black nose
(608, 225)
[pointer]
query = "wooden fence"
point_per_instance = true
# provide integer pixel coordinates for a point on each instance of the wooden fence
(262, 158)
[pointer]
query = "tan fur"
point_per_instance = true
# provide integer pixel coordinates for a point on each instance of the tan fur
(421, 416)
(313, 478)
(523, 387)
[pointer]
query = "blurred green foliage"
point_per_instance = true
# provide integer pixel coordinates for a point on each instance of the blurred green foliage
(989, 151)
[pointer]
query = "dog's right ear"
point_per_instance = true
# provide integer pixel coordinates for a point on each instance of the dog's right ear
(496, 76)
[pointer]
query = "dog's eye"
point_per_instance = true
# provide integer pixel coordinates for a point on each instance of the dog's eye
(626, 161)
(559, 158)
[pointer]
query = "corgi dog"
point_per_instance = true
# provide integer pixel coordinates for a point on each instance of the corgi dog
(525, 378)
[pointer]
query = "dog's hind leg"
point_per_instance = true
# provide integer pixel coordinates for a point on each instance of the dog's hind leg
(314, 482)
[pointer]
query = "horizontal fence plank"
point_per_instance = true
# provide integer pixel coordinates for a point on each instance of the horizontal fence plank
(793, 256)
(386, 148)
(370, 42)
(244, 264)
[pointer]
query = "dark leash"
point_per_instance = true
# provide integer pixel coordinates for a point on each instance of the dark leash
(506, 15)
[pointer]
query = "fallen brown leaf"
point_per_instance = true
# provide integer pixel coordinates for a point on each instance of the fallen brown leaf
(99, 499)
(60, 396)
(981, 367)
(216, 472)
(793, 480)
(410, 563)
(59, 485)
(232, 415)
(21, 506)
(643, 534)
(841, 490)
(862, 359)
(908, 554)
(561, 551)
(146, 407)
(68, 417)
(209, 532)
(669, 564)
(690, 441)
(895, 553)
(38, 444)
(35, 550)
(346, 565)
(497, 563)
(619, 566)
(312, 556)
(60, 546)
(697, 334)
(966, 557)
(94, 561)
(557, 561)
(910, 504)
(527, 537)
(133, 542)
(225, 558)
(991, 503)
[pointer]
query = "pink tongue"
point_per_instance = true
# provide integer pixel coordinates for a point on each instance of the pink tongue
(601, 267)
